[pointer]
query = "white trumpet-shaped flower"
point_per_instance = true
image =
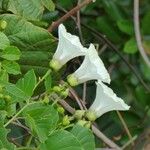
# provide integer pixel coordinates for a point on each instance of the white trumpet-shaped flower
(106, 100)
(92, 68)
(69, 47)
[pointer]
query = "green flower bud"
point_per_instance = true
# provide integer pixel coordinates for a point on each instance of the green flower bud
(57, 89)
(7, 98)
(88, 125)
(79, 114)
(65, 93)
(54, 64)
(72, 80)
(46, 99)
(66, 121)
(82, 123)
(90, 116)
(60, 110)
(3, 24)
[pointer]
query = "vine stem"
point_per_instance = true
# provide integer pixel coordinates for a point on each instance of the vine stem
(13, 118)
(27, 104)
(125, 127)
(67, 15)
(42, 79)
(138, 34)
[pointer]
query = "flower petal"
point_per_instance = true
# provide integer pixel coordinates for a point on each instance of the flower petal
(106, 100)
(92, 68)
(69, 46)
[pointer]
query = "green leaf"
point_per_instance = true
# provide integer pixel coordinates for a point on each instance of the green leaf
(11, 67)
(49, 4)
(112, 10)
(11, 109)
(142, 96)
(146, 44)
(27, 84)
(36, 58)
(3, 115)
(146, 23)
(17, 94)
(26, 36)
(2, 104)
(83, 135)
(4, 76)
(104, 25)
(126, 26)
(42, 119)
(30, 9)
(3, 140)
(3, 4)
(4, 41)
(61, 140)
(145, 70)
(48, 82)
(11, 53)
(74, 140)
(130, 47)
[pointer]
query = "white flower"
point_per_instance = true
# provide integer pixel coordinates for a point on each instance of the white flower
(106, 100)
(92, 68)
(69, 47)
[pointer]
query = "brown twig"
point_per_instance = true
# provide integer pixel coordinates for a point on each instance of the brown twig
(138, 34)
(67, 15)
(76, 98)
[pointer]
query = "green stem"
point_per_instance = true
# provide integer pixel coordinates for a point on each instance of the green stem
(43, 78)
(46, 74)
(69, 126)
(29, 141)
(13, 118)
(55, 101)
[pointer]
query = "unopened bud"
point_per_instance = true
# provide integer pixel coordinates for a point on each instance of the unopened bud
(66, 121)
(88, 125)
(82, 123)
(65, 93)
(46, 99)
(3, 24)
(79, 114)
(60, 110)
(7, 98)
(55, 65)
(90, 116)
(57, 89)
(72, 80)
